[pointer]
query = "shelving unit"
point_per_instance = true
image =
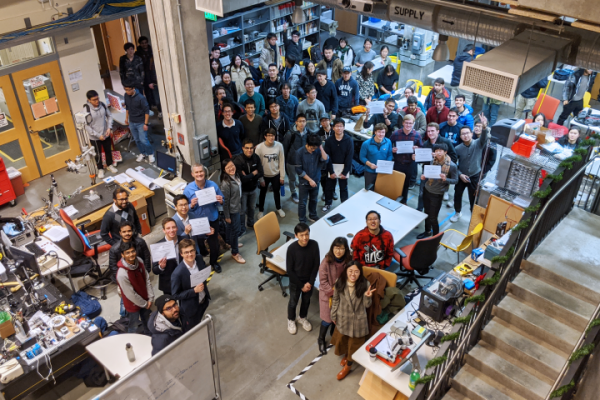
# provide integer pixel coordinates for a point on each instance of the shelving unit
(244, 33)
(376, 31)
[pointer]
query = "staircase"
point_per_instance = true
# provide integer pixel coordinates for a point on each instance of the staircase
(536, 326)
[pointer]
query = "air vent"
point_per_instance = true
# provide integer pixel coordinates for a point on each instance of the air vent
(501, 74)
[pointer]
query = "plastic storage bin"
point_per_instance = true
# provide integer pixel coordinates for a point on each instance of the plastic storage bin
(16, 180)
(524, 148)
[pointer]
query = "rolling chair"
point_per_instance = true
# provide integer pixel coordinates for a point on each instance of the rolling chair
(425, 90)
(547, 105)
(390, 186)
(417, 83)
(458, 241)
(267, 232)
(90, 245)
(416, 259)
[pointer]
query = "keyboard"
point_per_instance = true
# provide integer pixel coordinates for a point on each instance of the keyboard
(35, 249)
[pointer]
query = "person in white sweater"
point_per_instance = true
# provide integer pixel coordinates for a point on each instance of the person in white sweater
(272, 159)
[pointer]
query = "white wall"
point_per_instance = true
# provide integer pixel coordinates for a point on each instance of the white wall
(13, 12)
(79, 53)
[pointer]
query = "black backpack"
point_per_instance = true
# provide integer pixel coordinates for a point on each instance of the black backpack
(87, 108)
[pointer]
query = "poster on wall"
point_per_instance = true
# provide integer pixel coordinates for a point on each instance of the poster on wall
(75, 76)
(3, 120)
(41, 93)
(37, 81)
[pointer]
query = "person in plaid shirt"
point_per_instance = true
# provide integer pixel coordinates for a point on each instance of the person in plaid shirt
(403, 162)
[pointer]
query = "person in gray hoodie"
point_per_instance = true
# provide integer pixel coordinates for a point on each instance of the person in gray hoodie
(135, 286)
(312, 109)
(165, 323)
(294, 139)
(231, 186)
(100, 131)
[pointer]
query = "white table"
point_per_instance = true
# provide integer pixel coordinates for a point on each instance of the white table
(111, 354)
(378, 65)
(402, 102)
(64, 262)
(445, 72)
(399, 223)
(349, 128)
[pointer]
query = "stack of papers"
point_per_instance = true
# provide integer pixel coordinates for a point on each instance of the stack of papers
(56, 233)
(123, 178)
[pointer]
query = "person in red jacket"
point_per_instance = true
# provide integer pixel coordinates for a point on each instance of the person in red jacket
(439, 112)
(135, 286)
(373, 246)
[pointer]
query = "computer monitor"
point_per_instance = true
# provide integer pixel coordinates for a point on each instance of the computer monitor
(167, 163)
(29, 260)
(186, 172)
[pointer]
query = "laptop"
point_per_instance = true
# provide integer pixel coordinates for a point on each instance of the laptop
(335, 219)
(388, 203)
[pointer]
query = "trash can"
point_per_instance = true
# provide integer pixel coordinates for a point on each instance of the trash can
(16, 180)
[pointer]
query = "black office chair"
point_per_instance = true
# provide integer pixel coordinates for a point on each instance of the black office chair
(416, 259)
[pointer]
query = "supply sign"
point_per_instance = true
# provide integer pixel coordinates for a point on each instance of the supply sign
(41, 93)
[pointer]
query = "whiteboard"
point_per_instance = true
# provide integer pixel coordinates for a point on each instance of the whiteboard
(187, 369)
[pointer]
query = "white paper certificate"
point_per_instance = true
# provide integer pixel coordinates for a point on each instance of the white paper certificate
(405, 147)
(199, 277)
(162, 250)
(376, 107)
(338, 169)
(206, 196)
(200, 226)
(432, 171)
(423, 155)
(384, 167)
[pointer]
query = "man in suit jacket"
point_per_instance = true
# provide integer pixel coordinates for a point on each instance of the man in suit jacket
(182, 220)
(192, 300)
(165, 267)
(126, 230)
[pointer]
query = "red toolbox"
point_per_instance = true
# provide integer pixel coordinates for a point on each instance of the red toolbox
(7, 193)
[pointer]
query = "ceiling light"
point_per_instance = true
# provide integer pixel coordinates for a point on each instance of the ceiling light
(441, 52)
(298, 16)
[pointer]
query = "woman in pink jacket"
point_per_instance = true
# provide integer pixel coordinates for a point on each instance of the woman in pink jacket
(331, 268)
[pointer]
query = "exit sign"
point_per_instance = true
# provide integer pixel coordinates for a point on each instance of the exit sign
(210, 17)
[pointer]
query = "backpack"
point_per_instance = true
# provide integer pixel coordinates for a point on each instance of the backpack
(89, 305)
(316, 54)
(87, 108)
(256, 75)
(562, 74)
(357, 168)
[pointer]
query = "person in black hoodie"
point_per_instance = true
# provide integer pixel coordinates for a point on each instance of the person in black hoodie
(466, 56)
(340, 148)
(293, 47)
(293, 140)
(165, 267)
(326, 93)
(165, 323)
(270, 88)
(250, 170)
(324, 132)
(276, 120)
(309, 77)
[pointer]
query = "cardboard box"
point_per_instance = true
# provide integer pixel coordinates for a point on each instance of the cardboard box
(7, 329)
(141, 209)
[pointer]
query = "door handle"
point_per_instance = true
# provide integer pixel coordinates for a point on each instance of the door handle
(32, 132)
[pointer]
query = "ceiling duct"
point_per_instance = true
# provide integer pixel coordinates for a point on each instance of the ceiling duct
(514, 66)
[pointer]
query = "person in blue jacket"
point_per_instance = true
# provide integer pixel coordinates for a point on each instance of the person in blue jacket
(438, 87)
(347, 91)
(465, 111)
(326, 93)
(200, 174)
(377, 148)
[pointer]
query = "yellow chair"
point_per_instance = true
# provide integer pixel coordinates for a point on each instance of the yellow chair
(458, 241)
(389, 277)
(418, 84)
(390, 185)
(426, 90)
(267, 233)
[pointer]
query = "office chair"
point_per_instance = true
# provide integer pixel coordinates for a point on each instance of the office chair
(390, 185)
(417, 257)
(458, 241)
(90, 245)
(426, 90)
(417, 85)
(547, 105)
(267, 232)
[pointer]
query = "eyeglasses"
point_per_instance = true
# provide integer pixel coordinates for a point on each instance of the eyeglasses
(125, 199)
(171, 308)
(187, 253)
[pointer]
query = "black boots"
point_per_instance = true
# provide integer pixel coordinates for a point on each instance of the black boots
(321, 339)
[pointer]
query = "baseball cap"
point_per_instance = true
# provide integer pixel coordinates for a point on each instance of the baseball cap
(347, 69)
(324, 116)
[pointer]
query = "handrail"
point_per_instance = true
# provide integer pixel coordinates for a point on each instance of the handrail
(479, 319)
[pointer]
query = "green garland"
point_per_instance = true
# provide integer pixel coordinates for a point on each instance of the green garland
(521, 225)
(463, 320)
(490, 281)
(504, 258)
(434, 362)
(581, 151)
(562, 390)
(542, 194)
(534, 208)
(449, 338)
(582, 352)
(556, 178)
(587, 142)
(593, 324)
(424, 379)
(475, 299)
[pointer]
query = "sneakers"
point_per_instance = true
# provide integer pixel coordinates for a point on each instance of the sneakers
(151, 159)
(305, 324)
(335, 196)
(281, 213)
(424, 235)
(313, 219)
(260, 215)
(238, 258)
(326, 208)
(240, 245)
(217, 268)
(446, 197)
(455, 217)
(295, 198)
(100, 173)
(112, 169)
(292, 327)
(140, 158)
(450, 204)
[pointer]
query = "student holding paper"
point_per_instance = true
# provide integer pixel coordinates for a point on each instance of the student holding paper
(165, 267)
(184, 228)
(193, 300)
(210, 210)
(340, 148)
(434, 189)
(231, 186)
(389, 117)
(377, 148)
(403, 161)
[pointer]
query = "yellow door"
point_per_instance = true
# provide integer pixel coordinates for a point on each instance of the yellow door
(47, 114)
(15, 149)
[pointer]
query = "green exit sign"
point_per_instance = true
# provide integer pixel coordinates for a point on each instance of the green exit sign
(210, 17)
